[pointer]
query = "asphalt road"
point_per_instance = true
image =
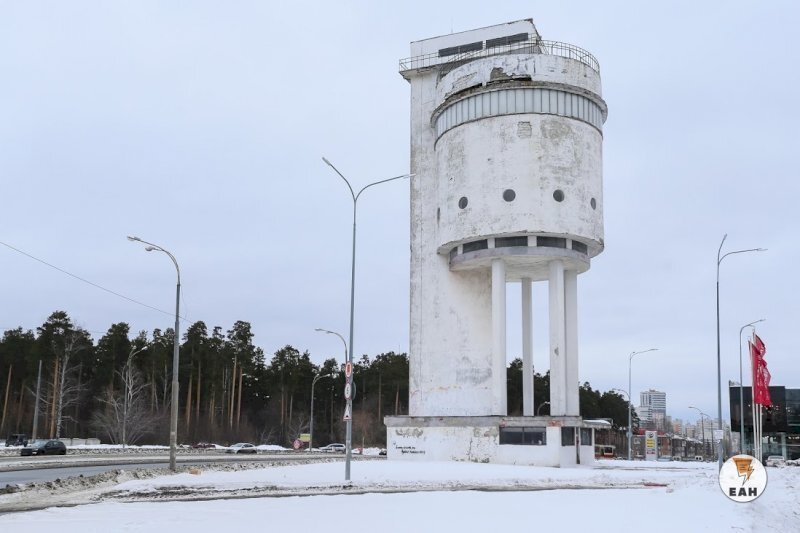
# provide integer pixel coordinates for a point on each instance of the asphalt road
(52, 468)
(41, 475)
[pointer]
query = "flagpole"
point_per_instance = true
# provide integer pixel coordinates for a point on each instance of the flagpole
(753, 394)
(760, 431)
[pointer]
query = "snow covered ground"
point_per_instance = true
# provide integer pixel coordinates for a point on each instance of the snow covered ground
(388, 496)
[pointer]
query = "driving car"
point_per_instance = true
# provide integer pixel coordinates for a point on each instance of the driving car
(17, 439)
(333, 448)
(45, 447)
(242, 447)
(775, 460)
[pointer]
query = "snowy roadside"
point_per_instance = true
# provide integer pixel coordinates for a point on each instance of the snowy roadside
(276, 478)
(78, 490)
(450, 496)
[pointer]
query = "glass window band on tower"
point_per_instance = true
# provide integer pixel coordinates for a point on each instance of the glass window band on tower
(519, 100)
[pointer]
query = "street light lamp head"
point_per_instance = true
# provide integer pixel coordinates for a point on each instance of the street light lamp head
(133, 238)
(643, 351)
(149, 248)
(327, 162)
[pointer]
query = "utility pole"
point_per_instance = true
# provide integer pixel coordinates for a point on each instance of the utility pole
(36, 406)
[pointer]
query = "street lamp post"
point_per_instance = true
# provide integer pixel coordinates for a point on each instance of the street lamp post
(702, 428)
(173, 425)
(741, 384)
(311, 419)
(630, 421)
(540, 407)
(719, 368)
(349, 436)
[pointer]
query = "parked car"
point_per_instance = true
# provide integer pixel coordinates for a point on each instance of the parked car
(242, 447)
(382, 451)
(203, 445)
(776, 460)
(17, 439)
(45, 447)
(334, 448)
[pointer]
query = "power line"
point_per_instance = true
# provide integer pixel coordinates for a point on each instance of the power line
(26, 254)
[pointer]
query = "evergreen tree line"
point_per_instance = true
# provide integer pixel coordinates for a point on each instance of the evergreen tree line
(594, 404)
(119, 388)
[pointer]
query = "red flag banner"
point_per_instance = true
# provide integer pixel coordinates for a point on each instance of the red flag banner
(761, 376)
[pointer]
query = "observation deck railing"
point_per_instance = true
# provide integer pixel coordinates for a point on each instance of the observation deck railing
(531, 46)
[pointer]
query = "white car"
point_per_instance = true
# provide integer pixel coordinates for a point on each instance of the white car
(776, 460)
(242, 447)
(333, 448)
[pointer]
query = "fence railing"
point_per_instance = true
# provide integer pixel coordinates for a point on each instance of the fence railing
(531, 46)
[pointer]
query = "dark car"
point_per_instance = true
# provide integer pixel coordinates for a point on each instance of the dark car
(17, 439)
(45, 447)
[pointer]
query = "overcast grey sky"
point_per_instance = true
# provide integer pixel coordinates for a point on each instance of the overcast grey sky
(200, 126)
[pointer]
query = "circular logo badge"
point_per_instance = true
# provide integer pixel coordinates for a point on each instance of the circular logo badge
(743, 478)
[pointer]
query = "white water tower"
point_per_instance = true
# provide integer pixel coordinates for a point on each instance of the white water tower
(506, 151)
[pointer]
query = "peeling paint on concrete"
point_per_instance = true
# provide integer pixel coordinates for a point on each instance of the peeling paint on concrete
(553, 165)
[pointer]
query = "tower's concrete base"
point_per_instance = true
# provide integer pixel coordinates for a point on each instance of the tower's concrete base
(525, 440)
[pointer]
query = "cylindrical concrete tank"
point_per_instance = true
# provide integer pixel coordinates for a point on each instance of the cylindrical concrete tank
(519, 158)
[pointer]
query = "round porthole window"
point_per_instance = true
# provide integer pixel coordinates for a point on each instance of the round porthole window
(558, 195)
(509, 195)
(462, 202)
(593, 203)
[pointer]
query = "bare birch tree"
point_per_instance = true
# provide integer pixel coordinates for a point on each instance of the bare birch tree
(126, 416)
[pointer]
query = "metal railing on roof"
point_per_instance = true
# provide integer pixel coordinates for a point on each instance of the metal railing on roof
(531, 46)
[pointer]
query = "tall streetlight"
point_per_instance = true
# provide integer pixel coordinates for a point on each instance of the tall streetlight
(311, 422)
(630, 422)
(741, 384)
(702, 428)
(173, 425)
(348, 386)
(719, 369)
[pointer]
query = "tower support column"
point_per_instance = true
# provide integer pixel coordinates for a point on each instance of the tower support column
(527, 349)
(571, 334)
(499, 398)
(558, 401)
